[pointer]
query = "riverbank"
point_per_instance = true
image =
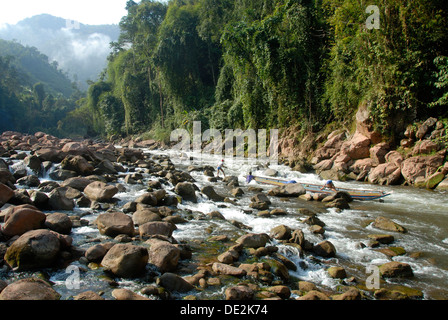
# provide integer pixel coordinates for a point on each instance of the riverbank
(417, 158)
(185, 233)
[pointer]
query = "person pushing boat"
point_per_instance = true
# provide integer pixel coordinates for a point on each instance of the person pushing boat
(329, 185)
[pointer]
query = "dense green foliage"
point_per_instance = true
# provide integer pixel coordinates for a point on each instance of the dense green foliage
(264, 64)
(34, 94)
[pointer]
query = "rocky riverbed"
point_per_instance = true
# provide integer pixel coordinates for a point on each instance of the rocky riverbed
(89, 220)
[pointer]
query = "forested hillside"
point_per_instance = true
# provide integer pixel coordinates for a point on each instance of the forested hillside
(264, 64)
(34, 94)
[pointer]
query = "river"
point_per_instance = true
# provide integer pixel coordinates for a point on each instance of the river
(422, 212)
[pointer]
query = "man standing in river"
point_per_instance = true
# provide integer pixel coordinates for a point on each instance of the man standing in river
(220, 168)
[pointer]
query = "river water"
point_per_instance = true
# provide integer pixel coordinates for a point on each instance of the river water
(423, 213)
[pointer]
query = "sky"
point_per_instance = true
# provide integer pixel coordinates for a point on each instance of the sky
(93, 12)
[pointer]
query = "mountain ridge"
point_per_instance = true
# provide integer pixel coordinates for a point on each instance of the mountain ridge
(81, 50)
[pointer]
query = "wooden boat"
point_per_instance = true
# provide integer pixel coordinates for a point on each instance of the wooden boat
(315, 188)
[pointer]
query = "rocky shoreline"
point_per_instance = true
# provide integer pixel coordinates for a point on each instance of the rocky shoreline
(419, 159)
(38, 220)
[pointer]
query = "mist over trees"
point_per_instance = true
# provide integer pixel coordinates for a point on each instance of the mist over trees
(80, 52)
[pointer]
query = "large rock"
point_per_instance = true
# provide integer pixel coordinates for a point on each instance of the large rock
(253, 240)
(23, 219)
(78, 183)
(100, 191)
(222, 268)
(443, 186)
(164, 255)
(126, 260)
(187, 191)
(357, 147)
(142, 216)
(58, 201)
(6, 193)
(113, 224)
(174, 283)
(239, 293)
(34, 249)
(388, 225)
(288, 190)
(156, 228)
(210, 192)
(78, 164)
(325, 249)
(29, 289)
(396, 269)
(59, 222)
(385, 173)
(421, 166)
(50, 154)
(76, 149)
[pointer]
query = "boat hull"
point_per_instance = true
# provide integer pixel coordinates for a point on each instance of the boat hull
(363, 195)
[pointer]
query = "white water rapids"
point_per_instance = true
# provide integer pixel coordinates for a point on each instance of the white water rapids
(423, 213)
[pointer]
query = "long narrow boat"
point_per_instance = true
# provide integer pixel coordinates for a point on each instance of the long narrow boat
(314, 188)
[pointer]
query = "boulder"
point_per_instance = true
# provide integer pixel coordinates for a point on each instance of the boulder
(253, 240)
(281, 232)
(378, 153)
(433, 180)
(113, 224)
(222, 268)
(386, 173)
(29, 289)
(174, 283)
(126, 260)
(396, 269)
(421, 166)
(164, 255)
(156, 228)
(34, 163)
(88, 296)
(337, 272)
(76, 148)
(23, 219)
(358, 147)
(105, 167)
(78, 183)
(6, 193)
(127, 295)
(239, 293)
(425, 128)
(210, 192)
(288, 190)
(50, 154)
(142, 216)
(388, 225)
(58, 201)
(29, 181)
(148, 198)
(443, 186)
(187, 191)
(78, 164)
(34, 249)
(97, 252)
(100, 191)
(314, 295)
(325, 249)
(59, 222)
